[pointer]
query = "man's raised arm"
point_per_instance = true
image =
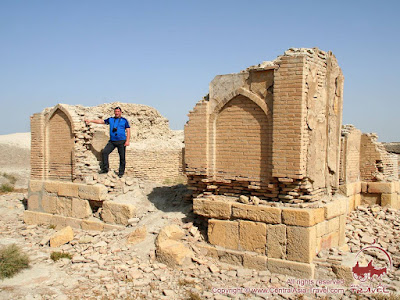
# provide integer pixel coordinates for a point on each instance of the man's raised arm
(99, 121)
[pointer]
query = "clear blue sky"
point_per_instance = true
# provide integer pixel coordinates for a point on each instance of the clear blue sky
(165, 53)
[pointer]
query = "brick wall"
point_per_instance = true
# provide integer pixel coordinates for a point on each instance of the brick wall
(196, 140)
(243, 141)
(350, 155)
(60, 147)
(37, 146)
(376, 164)
(288, 151)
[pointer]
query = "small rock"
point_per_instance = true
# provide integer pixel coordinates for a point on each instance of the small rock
(137, 235)
(244, 199)
(62, 237)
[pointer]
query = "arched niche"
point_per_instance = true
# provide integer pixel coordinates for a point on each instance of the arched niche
(242, 147)
(60, 146)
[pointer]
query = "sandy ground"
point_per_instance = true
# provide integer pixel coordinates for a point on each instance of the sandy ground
(15, 158)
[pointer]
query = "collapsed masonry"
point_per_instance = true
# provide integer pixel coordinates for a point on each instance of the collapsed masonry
(65, 187)
(265, 154)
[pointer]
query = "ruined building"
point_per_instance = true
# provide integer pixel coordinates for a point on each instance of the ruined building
(265, 156)
(65, 187)
(270, 166)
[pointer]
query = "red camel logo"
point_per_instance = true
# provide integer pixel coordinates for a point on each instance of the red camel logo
(368, 272)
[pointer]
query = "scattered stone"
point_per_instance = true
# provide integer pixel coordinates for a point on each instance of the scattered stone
(62, 237)
(137, 235)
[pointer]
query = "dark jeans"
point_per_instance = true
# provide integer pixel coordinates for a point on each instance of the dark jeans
(121, 151)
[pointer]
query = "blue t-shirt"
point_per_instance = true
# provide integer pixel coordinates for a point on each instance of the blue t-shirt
(121, 124)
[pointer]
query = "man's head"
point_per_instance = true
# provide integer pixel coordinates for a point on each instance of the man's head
(117, 112)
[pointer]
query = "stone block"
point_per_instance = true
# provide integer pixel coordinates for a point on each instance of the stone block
(49, 204)
(344, 272)
(302, 216)
(371, 199)
(328, 226)
(51, 186)
(397, 186)
(207, 250)
(34, 202)
(364, 187)
(357, 200)
(349, 189)
(97, 192)
(327, 241)
(232, 257)
(352, 202)
(68, 189)
(381, 187)
(336, 207)
(270, 215)
(301, 243)
(62, 237)
(357, 187)
(253, 261)
(36, 218)
(291, 268)
(252, 236)
(172, 231)
(173, 253)
(64, 206)
(276, 241)
(35, 186)
(223, 233)
(58, 221)
(73, 222)
(107, 227)
(92, 225)
(390, 200)
(136, 236)
(212, 208)
(80, 209)
(117, 213)
(342, 230)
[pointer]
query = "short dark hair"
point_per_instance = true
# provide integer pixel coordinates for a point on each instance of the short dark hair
(118, 108)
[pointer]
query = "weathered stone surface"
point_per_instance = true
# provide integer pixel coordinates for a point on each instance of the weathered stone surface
(136, 236)
(62, 237)
(212, 208)
(328, 226)
(276, 241)
(301, 243)
(173, 253)
(336, 207)
(252, 236)
(342, 230)
(270, 215)
(117, 213)
(49, 204)
(291, 268)
(172, 231)
(64, 206)
(96, 192)
(80, 208)
(35, 185)
(381, 187)
(51, 186)
(253, 261)
(68, 189)
(370, 199)
(390, 200)
(34, 202)
(302, 216)
(223, 233)
(58, 221)
(33, 217)
(92, 225)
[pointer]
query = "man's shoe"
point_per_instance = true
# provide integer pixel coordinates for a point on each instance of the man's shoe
(120, 175)
(103, 172)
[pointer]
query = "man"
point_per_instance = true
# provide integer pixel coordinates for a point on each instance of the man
(118, 139)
